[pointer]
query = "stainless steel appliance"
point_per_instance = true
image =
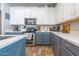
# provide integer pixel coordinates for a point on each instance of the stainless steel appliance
(31, 29)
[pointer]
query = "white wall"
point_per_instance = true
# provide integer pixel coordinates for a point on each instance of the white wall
(0, 6)
(44, 15)
(5, 22)
(0, 21)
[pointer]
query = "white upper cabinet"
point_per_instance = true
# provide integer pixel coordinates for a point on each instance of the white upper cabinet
(51, 16)
(44, 15)
(16, 17)
(68, 11)
(59, 12)
(76, 9)
(65, 11)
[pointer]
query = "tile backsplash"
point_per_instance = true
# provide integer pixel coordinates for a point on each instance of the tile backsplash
(45, 28)
(75, 26)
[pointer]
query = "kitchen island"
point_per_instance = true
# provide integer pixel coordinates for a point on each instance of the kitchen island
(13, 46)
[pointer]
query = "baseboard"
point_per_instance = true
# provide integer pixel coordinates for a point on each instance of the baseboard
(43, 45)
(30, 45)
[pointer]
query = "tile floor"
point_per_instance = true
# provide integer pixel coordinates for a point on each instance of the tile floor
(39, 51)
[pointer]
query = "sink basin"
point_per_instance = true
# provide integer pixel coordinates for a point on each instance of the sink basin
(5, 37)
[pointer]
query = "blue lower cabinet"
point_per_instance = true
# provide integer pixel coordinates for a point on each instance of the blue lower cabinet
(74, 50)
(65, 52)
(39, 38)
(43, 38)
(47, 38)
(14, 33)
(53, 40)
(15, 49)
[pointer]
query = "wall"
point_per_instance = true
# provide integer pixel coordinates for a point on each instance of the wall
(0, 6)
(0, 21)
(44, 15)
(5, 22)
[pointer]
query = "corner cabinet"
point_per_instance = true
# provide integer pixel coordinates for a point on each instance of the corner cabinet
(14, 49)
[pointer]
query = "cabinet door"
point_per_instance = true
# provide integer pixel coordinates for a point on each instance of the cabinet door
(39, 38)
(14, 49)
(43, 38)
(68, 9)
(16, 17)
(57, 46)
(53, 40)
(47, 38)
(65, 52)
(59, 12)
(77, 9)
(9, 50)
(57, 51)
(73, 48)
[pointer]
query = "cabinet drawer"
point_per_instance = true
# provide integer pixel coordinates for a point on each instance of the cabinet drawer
(73, 48)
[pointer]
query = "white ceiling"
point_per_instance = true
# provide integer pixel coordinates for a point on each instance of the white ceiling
(32, 4)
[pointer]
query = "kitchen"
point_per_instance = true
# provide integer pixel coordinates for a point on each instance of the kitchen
(39, 29)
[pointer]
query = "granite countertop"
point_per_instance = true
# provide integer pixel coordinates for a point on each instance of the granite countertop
(8, 41)
(72, 37)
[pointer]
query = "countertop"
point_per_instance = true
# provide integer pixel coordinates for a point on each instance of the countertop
(8, 41)
(43, 31)
(72, 37)
(13, 31)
